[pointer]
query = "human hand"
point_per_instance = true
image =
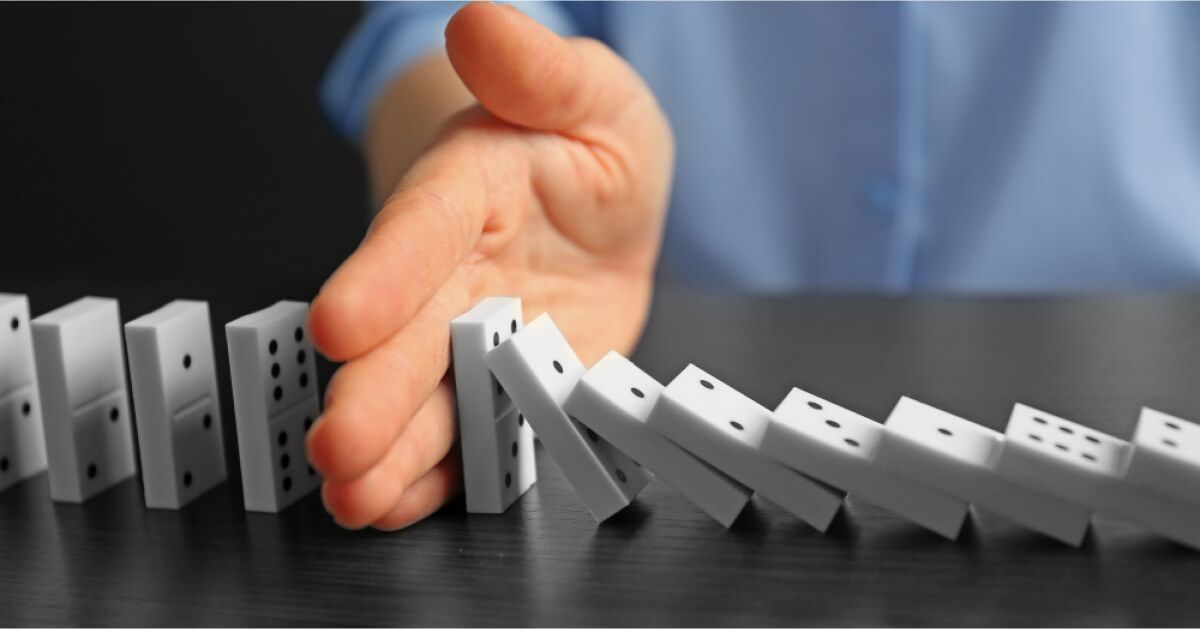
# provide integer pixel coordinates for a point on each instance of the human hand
(553, 189)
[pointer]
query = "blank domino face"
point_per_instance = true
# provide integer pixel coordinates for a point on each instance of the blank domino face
(275, 402)
(958, 457)
(22, 442)
(614, 398)
(81, 377)
(1088, 467)
(835, 445)
(725, 429)
(179, 411)
(487, 426)
(1166, 456)
(539, 369)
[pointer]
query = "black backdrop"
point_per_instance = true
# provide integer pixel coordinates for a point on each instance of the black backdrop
(172, 144)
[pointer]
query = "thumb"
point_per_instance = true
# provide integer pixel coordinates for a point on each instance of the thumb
(525, 74)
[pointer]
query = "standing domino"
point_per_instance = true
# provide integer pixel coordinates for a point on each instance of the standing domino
(271, 366)
(497, 443)
(614, 399)
(958, 457)
(1089, 468)
(22, 442)
(835, 445)
(81, 375)
(725, 429)
(1166, 456)
(178, 407)
(539, 369)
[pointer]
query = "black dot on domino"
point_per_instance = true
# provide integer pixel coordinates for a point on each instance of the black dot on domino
(1090, 457)
(706, 384)
(278, 393)
(1092, 439)
(558, 366)
(301, 356)
(303, 379)
(1062, 447)
(1039, 420)
(508, 479)
(1066, 430)
(520, 419)
(637, 392)
(114, 414)
(1170, 442)
(736, 425)
(298, 334)
(832, 424)
(274, 370)
(26, 409)
(283, 437)
(1171, 425)
(14, 324)
(513, 327)
(945, 432)
(1035, 437)
(187, 361)
(815, 406)
(284, 461)
(187, 479)
(495, 339)
(272, 347)
(514, 448)
(287, 483)
(852, 442)
(207, 421)
(3, 464)
(621, 476)
(92, 470)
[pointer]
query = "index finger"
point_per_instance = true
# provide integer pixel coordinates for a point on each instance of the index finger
(420, 236)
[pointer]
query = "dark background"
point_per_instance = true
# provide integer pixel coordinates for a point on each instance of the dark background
(171, 144)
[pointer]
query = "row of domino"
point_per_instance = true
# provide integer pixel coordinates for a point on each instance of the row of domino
(64, 404)
(717, 446)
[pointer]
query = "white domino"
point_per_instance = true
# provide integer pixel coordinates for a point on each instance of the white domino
(725, 429)
(1089, 468)
(85, 407)
(836, 445)
(539, 369)
(275, 402)
(614, 398)
(22, 441)
(497, 443)
(959, 457)
(174, 382)
(1166, 456)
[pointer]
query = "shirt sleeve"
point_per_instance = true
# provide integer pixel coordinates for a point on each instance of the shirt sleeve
(389, 37)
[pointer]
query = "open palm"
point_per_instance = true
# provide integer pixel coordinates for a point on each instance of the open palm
(552, 189)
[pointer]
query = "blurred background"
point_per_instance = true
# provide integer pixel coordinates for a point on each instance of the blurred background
(860, 147)
(172, 147)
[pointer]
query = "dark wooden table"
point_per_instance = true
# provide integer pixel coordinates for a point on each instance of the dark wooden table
(662, 562)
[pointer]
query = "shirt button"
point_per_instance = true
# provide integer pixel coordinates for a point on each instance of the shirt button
(881, 195)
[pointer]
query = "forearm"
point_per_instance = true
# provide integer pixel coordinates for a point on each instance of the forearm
(405, 118)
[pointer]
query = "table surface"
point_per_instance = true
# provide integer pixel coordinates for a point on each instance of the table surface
(1096, 359)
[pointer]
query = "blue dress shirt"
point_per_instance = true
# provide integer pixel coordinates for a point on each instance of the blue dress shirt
(893, 147)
